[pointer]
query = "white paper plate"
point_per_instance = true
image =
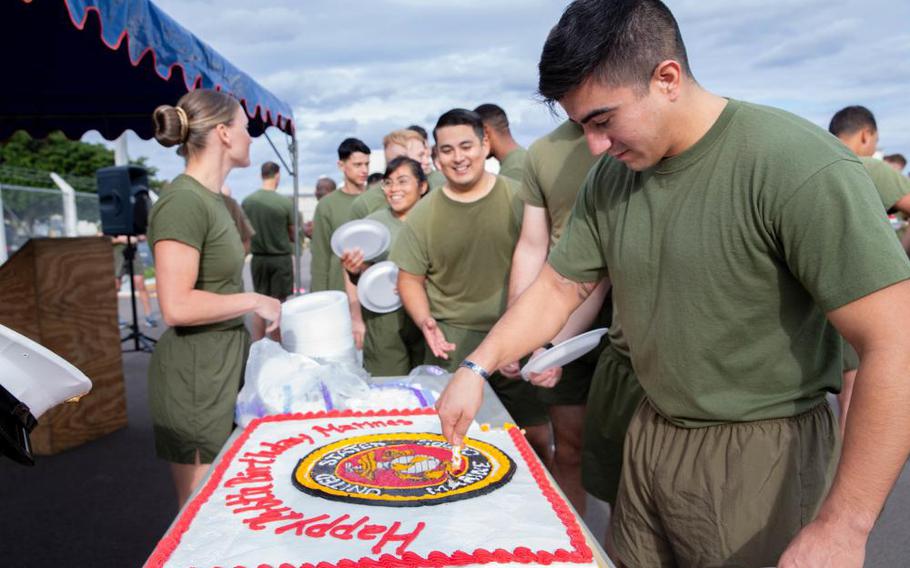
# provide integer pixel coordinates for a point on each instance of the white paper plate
(563, 353)
(376, 288)
(372, 237)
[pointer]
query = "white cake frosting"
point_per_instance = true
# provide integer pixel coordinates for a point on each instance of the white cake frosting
(250, 513)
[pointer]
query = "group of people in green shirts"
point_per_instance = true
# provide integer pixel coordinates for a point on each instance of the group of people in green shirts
(470, 247)
(744, 248)
(740, 255)
(446, 232)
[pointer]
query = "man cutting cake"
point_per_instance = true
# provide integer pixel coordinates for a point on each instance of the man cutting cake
(726, 228)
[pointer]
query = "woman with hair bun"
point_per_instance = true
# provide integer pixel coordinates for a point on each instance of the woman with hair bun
(197, 368)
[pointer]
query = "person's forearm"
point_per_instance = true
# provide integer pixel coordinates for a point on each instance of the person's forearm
(526, 264)
(414, 299)
(877, 440)
(525, 326)
(583, 318)
(353, 300)
(198, 307)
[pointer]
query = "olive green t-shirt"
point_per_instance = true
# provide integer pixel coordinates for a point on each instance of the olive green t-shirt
(513, 165)
(270, 214)
(371, 200)
(726, 258)
(890, 184)
(465, 252)
(435, 180)
(392, 223)
(189, 213)
(332, 211)
(556, 167)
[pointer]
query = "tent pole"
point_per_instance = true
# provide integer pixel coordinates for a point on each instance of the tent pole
(296, 172)
(121, 151)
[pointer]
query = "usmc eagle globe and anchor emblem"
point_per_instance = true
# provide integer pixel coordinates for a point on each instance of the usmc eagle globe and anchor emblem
(402, 470)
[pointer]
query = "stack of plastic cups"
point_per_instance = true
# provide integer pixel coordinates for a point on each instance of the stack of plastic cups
(318, 325)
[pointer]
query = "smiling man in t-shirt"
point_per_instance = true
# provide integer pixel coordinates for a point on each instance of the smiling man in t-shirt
(454, 255)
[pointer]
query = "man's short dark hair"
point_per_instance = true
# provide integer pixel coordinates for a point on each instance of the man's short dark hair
(459, 117)
(324, 186)
(350, 146)
(620, 42)
(327, 183)
(898, 159)
(851, 120)
(419, 130)
(493, 116)
(374, 177)
(269, 170)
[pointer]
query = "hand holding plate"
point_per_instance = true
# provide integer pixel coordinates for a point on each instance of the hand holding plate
(352, 261)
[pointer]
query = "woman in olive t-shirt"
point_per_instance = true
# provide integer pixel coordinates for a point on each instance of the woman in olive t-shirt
(393, 345)
(197, 368)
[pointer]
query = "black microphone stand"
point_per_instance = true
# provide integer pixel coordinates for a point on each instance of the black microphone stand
(141, 342)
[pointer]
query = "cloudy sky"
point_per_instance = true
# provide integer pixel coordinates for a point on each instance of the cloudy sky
(364, 68)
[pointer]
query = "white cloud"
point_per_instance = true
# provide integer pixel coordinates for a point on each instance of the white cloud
(365, 68)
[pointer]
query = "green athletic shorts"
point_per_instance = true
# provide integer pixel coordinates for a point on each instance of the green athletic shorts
(572, 389)
(121, 268)
(273, 275)
(393, 345)
(728, 495)
(520, 397)
(614, 398)
(193, 381)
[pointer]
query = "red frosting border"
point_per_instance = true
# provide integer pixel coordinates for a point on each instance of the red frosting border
(581, 552)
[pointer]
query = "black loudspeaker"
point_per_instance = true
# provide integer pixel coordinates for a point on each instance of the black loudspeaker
(123, 199)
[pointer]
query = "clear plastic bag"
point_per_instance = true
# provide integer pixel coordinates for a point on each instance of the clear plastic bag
(281, 382)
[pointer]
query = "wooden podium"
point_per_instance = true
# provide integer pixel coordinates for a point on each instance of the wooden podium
(60, 293)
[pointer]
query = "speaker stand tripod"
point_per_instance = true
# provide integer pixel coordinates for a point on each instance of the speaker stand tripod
(141, 342)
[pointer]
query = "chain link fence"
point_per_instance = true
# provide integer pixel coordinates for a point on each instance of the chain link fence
(30, 212)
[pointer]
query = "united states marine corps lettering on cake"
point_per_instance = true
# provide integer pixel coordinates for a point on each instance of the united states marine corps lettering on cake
(402, 470)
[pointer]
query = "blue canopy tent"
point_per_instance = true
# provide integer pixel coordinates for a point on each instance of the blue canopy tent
(80, 65)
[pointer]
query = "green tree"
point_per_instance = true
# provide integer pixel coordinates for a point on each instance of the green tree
(69, 158)
(27, 161)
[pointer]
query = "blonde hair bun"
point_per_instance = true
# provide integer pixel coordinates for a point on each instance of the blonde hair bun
(195, 115)
(170, 130)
